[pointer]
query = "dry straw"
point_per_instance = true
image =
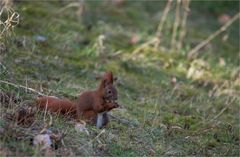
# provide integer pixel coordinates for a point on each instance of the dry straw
(176, 25)
(183, 23)
(194, 52)
(8, 19)
(157, 38)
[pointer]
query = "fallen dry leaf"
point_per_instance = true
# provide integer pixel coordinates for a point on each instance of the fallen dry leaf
(81, 127)
(222, 62)
(224, 18)
(174, 80)
(199, 69)
(43, 141)
(134, 40)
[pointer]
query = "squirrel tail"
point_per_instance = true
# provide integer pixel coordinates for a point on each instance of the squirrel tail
(57, 105)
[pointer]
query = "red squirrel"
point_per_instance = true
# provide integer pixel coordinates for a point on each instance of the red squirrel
(90, 105)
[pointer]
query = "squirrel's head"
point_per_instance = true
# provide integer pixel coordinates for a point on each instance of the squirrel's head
(107, 88)
(110, 93)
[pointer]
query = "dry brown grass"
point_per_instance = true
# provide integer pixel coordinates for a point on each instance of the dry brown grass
(6, 3)
(8, 18)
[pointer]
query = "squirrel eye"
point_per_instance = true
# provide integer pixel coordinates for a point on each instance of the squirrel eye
(109, 92)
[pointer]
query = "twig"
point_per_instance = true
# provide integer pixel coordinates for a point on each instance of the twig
(46, 125)
(96, 137)
(123, 121)
(156, 40)
(11, 21)
(199, 132)
(100, 44)
(24, 87)
(64, 134)
(176, 24)
(183, 23)
(156, 115)
(224, 109)
(71, 5)
(6, 3)
(162, 21)
(219, 114)
(191, 133)
(194, 51)
(3, 66)
(146, 44)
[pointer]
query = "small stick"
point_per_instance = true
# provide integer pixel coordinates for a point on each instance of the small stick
(71, 5)
(103, 131)
(100, 44)
(183, 24)
(144, 45)
(3, 66)
(194, 51)
(156, 40)
(24, 87)
(123, 121)
(162, 21)
(222, 111)
(176, 24)
(11, 21)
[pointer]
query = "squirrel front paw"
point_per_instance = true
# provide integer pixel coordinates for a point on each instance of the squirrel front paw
(110, 106)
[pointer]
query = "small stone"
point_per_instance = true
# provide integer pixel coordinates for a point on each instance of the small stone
(40, 38)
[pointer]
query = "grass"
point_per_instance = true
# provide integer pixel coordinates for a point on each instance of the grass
(172, 114)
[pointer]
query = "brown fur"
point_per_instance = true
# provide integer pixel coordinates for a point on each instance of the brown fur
(54, 104)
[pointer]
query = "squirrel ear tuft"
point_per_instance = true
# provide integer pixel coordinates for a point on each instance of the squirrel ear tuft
(108, 76)
(103, 83)
(107, 79)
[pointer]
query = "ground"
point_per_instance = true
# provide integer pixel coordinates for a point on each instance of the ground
(173, 105)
